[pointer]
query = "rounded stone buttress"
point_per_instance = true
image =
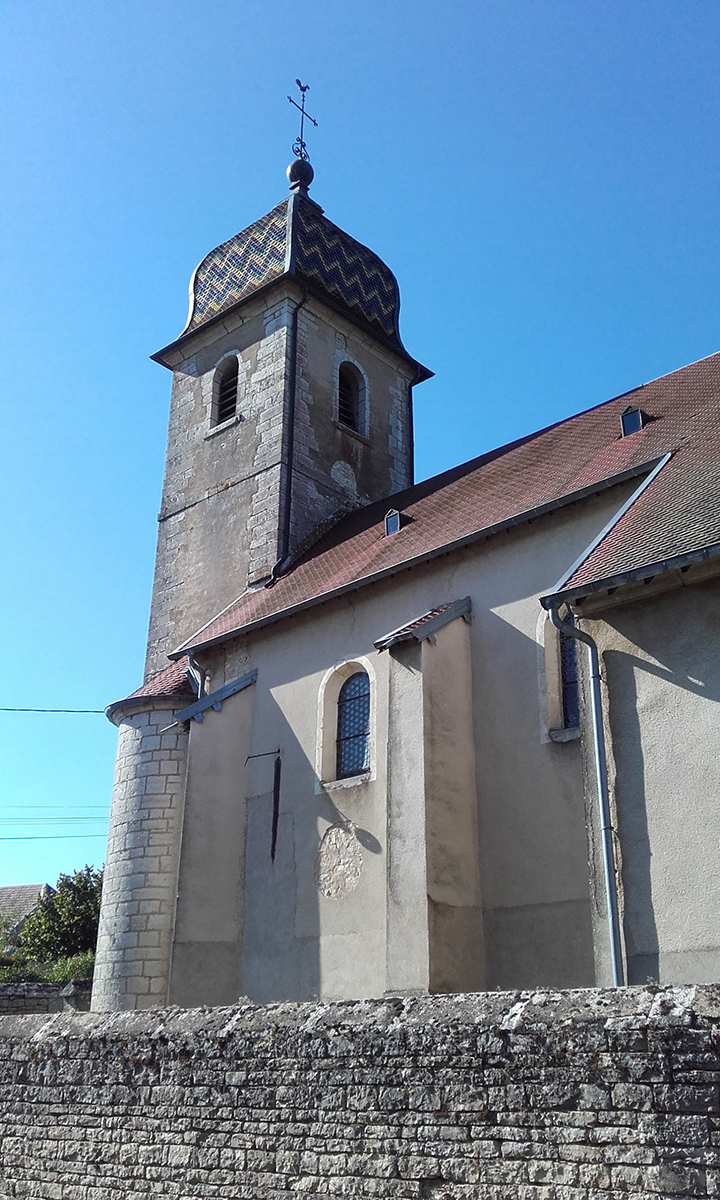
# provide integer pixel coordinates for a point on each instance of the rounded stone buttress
(137, 915)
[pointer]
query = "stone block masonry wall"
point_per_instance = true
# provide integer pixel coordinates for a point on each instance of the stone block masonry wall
(536, 1096)
(269, 384)
(31, 998)
(140, 882)
(45, 997)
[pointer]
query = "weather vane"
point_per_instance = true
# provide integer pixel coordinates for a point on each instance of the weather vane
(299, 147)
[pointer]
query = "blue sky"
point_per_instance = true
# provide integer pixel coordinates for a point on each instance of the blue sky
(541, 176)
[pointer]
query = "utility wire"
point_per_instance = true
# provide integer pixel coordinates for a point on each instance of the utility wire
(56, 819)
(52, 837)
(55, 710)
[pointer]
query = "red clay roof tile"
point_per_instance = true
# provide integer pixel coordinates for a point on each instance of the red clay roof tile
(173, 680)
(678, 511)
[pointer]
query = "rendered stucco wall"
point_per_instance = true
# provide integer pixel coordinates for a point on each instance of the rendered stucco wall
(536, 1095)
(208, 937)
(457, 953)
(663, 724)
(530, 843)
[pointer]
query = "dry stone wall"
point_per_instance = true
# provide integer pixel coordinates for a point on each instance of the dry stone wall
(45, 997)
(537, 1096)
(31, 998)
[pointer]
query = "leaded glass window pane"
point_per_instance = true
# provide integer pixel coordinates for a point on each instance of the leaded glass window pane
(568, 666)
(353, 727)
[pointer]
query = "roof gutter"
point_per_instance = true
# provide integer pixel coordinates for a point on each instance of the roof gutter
(470, 539)
(677, 562)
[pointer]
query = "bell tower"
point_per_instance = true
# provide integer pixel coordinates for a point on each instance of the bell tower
(291, 404)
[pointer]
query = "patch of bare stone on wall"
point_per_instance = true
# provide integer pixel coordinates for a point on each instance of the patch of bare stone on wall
(539, 1096)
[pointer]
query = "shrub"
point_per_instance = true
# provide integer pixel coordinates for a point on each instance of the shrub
(17, 969)
(65, 922)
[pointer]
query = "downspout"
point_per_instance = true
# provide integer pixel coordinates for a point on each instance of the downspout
(606, 829)
(287, 496)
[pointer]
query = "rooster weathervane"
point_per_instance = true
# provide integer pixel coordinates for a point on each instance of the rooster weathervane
(299, 147)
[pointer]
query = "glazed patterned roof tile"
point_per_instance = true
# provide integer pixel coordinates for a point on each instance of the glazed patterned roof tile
(238, 267)
(295, 237)
(679, 510)
(346, 270)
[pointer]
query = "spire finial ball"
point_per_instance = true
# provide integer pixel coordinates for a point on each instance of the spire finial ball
(300, 175)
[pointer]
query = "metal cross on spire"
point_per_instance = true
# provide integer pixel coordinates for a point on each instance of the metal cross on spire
(299, 147)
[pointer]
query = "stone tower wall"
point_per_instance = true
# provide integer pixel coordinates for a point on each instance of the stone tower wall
(222, 512)
(334, 469)
(219, 517)
(140, 882)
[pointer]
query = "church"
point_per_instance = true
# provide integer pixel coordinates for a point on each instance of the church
(401, 737)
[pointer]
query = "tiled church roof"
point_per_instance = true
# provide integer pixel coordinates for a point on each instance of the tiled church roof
(172, 681)
(679, 511)
(238, 267)
(296, 239)
(337, 264)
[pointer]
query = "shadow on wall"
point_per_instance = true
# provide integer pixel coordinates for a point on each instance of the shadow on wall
(533, 845)
(639, 925)
(664, 738)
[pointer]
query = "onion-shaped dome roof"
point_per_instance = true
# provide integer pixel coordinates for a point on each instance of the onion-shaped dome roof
(296, 239)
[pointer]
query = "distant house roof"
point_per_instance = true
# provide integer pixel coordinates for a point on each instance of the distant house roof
(16, 903)
(679, 511)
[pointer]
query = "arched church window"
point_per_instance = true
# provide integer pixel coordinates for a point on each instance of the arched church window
(353, 726)
(351, 395)
(227, 390)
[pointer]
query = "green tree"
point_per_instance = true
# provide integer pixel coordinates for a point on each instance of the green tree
(66, 922)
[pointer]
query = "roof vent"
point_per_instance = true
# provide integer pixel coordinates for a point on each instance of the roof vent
(392, 522)
(632, 420)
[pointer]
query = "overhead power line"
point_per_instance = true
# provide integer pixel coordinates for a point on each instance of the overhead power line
(52, 837)
(55, 710)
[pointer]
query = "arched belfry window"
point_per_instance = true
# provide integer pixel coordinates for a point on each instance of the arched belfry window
(226, 390)
(351, 397)
(353, 726)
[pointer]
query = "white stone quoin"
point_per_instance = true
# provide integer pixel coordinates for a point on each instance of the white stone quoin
(132, 965)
